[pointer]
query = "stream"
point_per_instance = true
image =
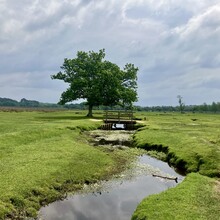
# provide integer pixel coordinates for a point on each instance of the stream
(117, 198)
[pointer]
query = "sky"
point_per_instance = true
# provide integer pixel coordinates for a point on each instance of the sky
(174, 43)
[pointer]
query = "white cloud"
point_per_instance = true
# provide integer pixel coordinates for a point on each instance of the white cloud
(199, 39)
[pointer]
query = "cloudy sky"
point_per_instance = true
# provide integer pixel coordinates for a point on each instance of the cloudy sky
(175, 44)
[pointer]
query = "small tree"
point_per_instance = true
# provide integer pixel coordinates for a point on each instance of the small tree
(214, 107)
(98, 81)
(181, 104)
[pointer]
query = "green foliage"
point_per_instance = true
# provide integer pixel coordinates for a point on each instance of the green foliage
(8, 102)
(29, 103)
(98, 81)
(181, 104)
(22, 103)
(214, 107)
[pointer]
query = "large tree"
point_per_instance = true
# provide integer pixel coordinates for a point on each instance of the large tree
(98, 81)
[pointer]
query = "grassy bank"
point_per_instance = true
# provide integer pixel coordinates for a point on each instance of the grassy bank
(43, 155)
(198, 197)
(190, 142)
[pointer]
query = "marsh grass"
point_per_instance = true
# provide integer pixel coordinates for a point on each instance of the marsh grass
(194, 198)
(190, 142)
(43, 155)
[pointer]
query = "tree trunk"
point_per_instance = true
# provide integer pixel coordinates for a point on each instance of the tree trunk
(90, 111)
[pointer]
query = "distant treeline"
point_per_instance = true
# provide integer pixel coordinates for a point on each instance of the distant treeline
(6, 102)
(214, 107)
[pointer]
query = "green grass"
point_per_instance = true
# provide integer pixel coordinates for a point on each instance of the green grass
(198, 197)
(190, 142)
(43, 155)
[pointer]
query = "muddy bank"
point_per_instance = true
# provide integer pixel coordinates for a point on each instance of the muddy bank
(118, 197)
(114, 139)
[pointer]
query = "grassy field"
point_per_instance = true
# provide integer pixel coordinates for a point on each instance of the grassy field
(43, 155)
(190, 142)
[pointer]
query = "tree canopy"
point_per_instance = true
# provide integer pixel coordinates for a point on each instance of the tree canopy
(98, 81)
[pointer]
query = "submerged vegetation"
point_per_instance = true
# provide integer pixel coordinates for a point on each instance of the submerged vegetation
(44, 155)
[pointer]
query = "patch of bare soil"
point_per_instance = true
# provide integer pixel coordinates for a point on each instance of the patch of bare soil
(114, 139)
(140, 122)
(95, 119)
(217, 189)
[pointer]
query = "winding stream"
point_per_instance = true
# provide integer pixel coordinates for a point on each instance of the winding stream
(114, 199)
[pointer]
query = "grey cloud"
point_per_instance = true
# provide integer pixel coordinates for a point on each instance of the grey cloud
(31, 85)
(167, 40)
(201, 36)
(173, 17)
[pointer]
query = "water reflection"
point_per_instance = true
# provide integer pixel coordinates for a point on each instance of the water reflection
(117, 200)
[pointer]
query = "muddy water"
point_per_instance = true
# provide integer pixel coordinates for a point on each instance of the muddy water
(115, 199)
